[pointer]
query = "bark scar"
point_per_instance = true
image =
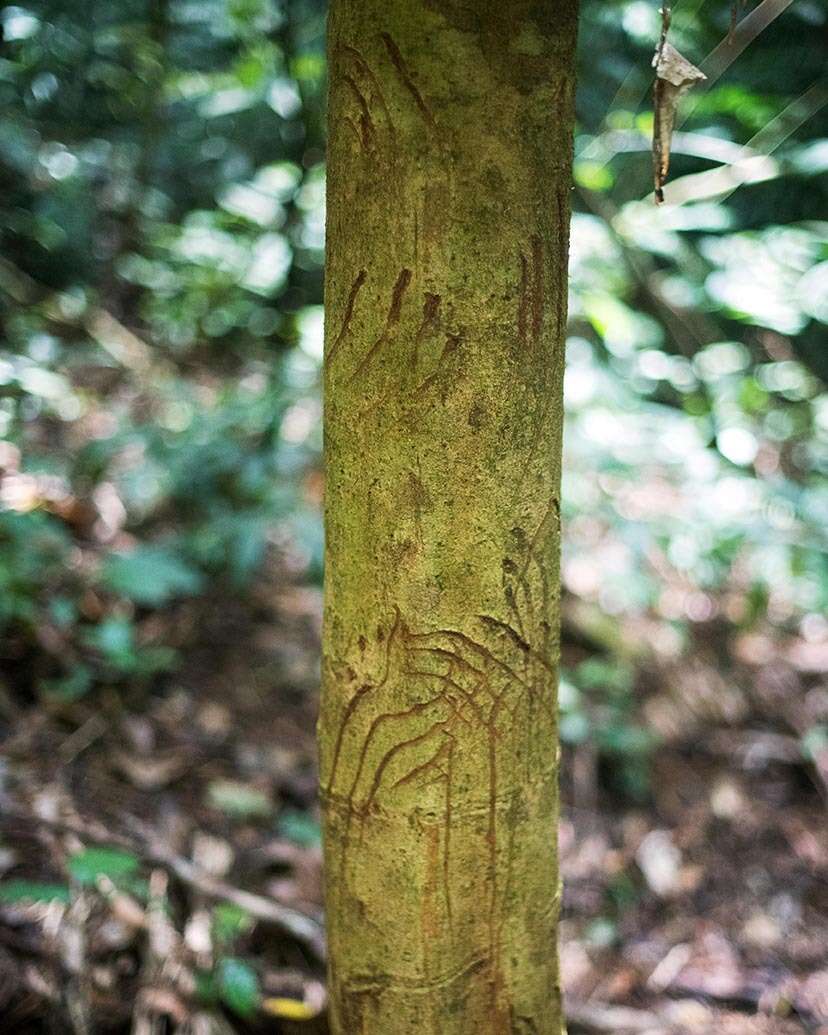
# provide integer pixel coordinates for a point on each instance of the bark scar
(364, 71)
(393, 318)
(431, 319)
(362, 276)
(398, 61)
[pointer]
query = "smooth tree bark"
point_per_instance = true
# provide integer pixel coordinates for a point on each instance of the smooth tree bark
(448, 208)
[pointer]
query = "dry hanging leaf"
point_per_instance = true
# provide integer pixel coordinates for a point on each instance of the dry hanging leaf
(675, 75)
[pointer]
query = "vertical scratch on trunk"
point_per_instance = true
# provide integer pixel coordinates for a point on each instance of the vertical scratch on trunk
(431, 319)
(367, 72)
(399, 64)
(447, 834)
(393, 318)
(362, 276)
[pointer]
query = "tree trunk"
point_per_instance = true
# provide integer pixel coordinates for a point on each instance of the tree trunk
(448, 210)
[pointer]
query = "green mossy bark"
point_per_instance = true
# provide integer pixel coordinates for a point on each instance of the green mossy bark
(448, 210)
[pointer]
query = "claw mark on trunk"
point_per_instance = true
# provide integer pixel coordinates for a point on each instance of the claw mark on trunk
(461, 693)
(368, 130)
(453, 342)
(393, 318)
(423, 767)
(376, 725)
(404, 73)
(524, 1025)
(350, 122)
(403, 280)
(392, 753)
(367, 73)
(362, 984)
(349, 312)
(431, 320)
(447, 833)
(513, 635)
(363, 691)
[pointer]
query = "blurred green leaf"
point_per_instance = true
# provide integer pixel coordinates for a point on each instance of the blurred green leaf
(14, 892)
(238, 986)
(239, 799)
(150, 575)
(229, 922)
(86, 866)
(71, 687)
(299, 827)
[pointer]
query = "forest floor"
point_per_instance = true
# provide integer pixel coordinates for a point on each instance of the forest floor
(702, 907)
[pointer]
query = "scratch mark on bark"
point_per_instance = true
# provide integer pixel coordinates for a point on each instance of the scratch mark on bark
(365, 69)
(475, 647)
(389, 756)
(516, 638)
(349, 313)
(353, 704)
(431, 319)
(385, 717)
(402, 282)
(423, 767)
(404, 73)
(393, 318)
(366, 123)
(466, 696)
(360, 984)
(356, 130)
(447, 833)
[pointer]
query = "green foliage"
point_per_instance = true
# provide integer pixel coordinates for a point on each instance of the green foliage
(696, 442)
(30, 544)
(299, 827)
(229, 922)
(150, 575)
(598, 704)
(86, 866)
(232, 982)
(17, 892)
(238, 986)
(161, 227)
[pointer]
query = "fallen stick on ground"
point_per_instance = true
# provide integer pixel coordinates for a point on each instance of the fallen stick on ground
(145, 844)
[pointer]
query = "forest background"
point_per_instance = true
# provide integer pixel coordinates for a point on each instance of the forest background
(162, 236)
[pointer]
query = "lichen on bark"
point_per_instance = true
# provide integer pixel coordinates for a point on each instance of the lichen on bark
(448, 209)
